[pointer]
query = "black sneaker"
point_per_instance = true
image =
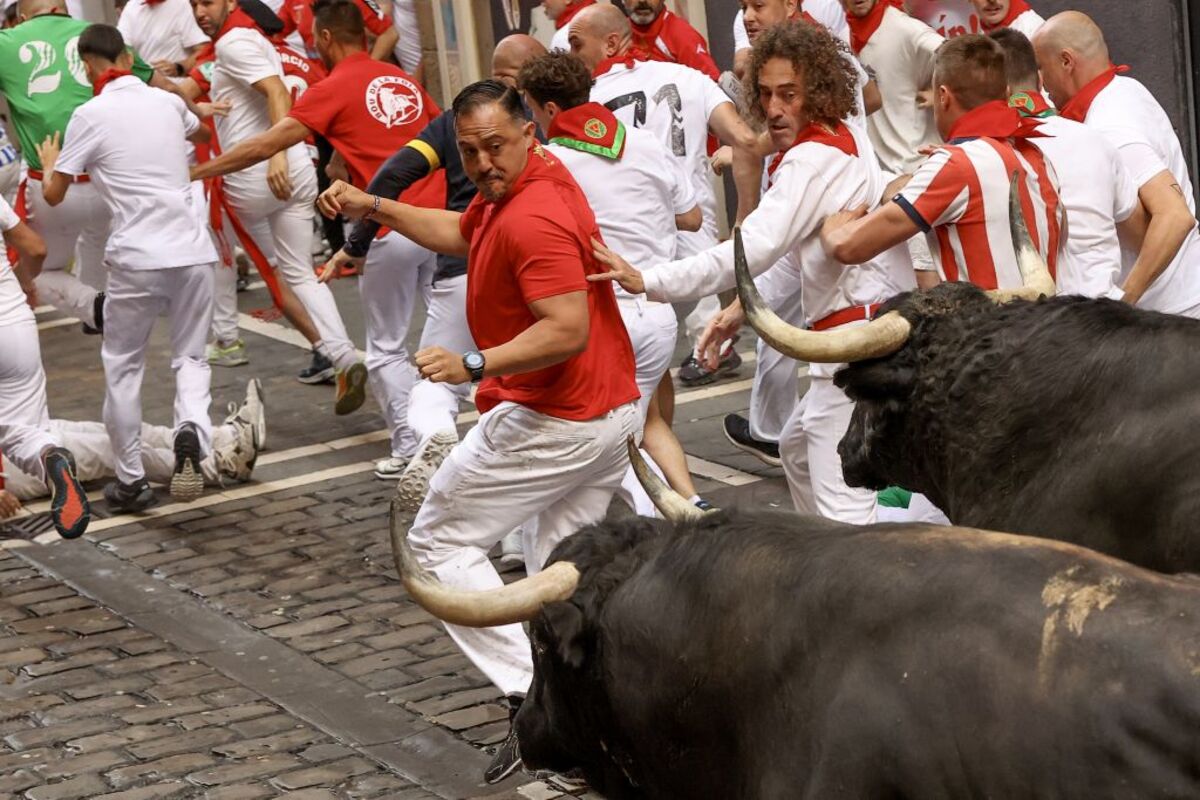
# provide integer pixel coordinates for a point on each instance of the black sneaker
(319, 370)
(129, 497)
(737, 431)
(508, 754)
(693, 373)
(98, 315)
(187, 482)
(69, 508)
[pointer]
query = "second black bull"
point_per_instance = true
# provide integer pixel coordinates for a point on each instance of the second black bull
(1062, 417)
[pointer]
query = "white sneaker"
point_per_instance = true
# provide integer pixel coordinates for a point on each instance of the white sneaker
(252, 412)
(236, 459)
(390, 469)
(511, 549)
(414, 483)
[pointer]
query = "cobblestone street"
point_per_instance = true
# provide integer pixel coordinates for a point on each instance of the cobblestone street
(257, 642)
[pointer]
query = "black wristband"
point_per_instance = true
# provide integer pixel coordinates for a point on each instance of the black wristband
(350, 249)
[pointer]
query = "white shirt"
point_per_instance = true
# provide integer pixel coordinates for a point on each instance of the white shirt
(244, 57)
(635, 198)
(675, 102)
(813, 181)
(829, 13)
(1028, 22)
(900, 53)
(408, 46)
(1134, 123)
(131, 141)
(13, 308)
(1097, 192)
(561, 39)
(161, 32)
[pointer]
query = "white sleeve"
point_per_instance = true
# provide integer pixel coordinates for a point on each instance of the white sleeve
(780, 283)
(8, 217)
(741, 39)
(788, 212)
(190, 34)
(79, 144)
(714, 95)
(1125, 191)
(247, 59)
(191, 123)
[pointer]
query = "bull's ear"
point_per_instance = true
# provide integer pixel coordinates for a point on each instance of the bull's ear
(565, 623)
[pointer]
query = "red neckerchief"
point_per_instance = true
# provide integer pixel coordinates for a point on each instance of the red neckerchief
(645, 36)
(591, 128)
(1077, 107)
(810, 19)
(995, 120)
(569, 13)
(236, 19)
(110, 74)
(861, 28)
(1015, 9)
(153, 2)
(631, 55)
(1031, 104)
(838, 136)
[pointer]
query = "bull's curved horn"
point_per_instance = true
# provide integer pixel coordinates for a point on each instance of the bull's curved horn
(516, 602)
(673, 506)
(878, 338)
(1035, 274)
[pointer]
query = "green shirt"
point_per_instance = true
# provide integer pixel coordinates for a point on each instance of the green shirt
(44, 79)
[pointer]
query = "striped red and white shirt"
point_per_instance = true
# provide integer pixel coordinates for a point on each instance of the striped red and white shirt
(959, 198)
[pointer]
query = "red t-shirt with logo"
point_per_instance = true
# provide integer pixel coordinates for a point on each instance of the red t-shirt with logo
(533, 244)
(297, 16)
(368, 110)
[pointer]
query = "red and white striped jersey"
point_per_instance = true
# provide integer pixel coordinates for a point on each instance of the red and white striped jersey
(959, 198)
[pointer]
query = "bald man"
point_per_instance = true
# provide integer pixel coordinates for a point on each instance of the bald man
(1086, 87)
(433, 407)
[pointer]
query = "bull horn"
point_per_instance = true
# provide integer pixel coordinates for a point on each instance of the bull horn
(878, 338)
(669, 502)
(516, 602)
(1035, 274)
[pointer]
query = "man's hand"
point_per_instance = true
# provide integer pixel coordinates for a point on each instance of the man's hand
(925, 98)
(622, 272)
(721, 160)
(168, 69)
(48, 152)
(439, 365)
(9, 504)
(342, 198)
(721, 329)
(219, 108)
(339, 260)
(30, 290)
(279, 176)
(835, 222)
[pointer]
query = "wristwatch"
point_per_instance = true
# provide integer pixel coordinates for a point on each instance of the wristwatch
(474, 362)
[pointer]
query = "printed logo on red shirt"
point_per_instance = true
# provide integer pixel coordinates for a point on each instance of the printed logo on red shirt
(393, 100)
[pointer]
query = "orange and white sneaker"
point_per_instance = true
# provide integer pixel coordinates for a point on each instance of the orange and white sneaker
(351, 389)
(69, 507)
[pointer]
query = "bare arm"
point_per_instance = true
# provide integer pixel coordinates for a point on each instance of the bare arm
(277, 138)
(31, 249)
(872, 97)
(1170, 223)
(731, 128)
(852, 238)
(432, 228)
(279, 103)
(690, 220)
(385, 42)
(747, 174)
(159, 82)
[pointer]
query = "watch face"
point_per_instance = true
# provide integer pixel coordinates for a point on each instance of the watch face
(473, 360)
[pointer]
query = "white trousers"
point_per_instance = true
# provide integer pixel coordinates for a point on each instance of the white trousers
(808, 449)
(690, 243)
(135, 299)
(434, 406)
(24, 421)
(776, 388)
(396, 271)
(76, 230)
(88, 441)
(514, 464)
(283, 230)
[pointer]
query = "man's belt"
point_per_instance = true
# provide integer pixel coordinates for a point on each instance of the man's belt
(38, 175)
(851, 314)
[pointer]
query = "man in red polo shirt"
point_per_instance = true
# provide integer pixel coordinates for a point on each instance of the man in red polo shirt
(368, 110)
(662, 34)
(555, 369)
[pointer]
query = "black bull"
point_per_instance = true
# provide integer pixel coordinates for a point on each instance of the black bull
(768, 656)
(1067, 418)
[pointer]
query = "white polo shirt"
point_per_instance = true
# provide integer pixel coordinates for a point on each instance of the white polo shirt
(829, 13)
(812, 181)
(900, 53)
(1028, 23)
(13, 308)
(1097, 192)
(131, 141)
(245, 57)
(635, 198)
(160, 32)
(1133, 122)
